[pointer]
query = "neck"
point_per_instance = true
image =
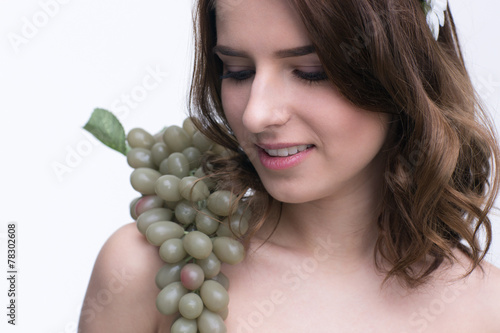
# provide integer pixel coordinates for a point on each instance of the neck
(345, 229)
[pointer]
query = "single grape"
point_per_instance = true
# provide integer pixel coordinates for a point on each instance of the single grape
(214, 295)
(177, 164)
(167, 188)
(207, 180)
(222, 279)
(192, 276)
(228, 250)
(185, 212)
(193, 189)
(210, 265)
(201, 142)
(183, 325)
(189, 126)
(234, 226)
(148, 202)
(139, 138)
(172, 250)
(151, 216)
(159, 152)
(224, 313)
(193, 155)
(176, 138)
(206, 221)
(222, 203)
(190, 306)
(159, 232)
(210, 322)
(159, 136)
(143, 180)
(197, 244)
(133, 212)
(167, 300)
(140, 158)
(168, 273)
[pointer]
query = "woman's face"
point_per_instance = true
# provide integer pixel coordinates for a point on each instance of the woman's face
(306, 141)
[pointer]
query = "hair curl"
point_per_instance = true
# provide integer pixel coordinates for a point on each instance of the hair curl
(441, 175)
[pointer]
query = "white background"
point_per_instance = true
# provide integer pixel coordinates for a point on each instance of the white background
(92, 54)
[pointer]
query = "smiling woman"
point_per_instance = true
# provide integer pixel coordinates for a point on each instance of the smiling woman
(355, 138)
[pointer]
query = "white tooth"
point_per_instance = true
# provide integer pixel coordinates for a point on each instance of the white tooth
(292, 150)
(283, 152)
(272, 152)
(302, 147)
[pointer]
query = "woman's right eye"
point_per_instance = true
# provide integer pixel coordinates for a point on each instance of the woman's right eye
(237, 76)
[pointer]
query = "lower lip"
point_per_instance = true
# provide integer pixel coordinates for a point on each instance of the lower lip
(282, 162)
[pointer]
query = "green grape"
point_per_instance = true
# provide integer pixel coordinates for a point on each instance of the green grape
(193, 189)
(133, 212)
(176, 138)
(207, 180)
(185, 212)
(171, 204)
(190, 306)
(159, 136)
(228, 250)
(197, 244)
(163, 167)
(148, 202)
(159, 152)
(192, 276)
(177, 164)
(222, 203)
(193, 155)
(210, 265)
(172, 250)
(151, 216)
(139, 138)
(214, 295)
(183, 325)
(159, 232)
(210, 322)
(168, 273)
(140, 158)
(189, 126)
(143, 180)
(220, 150)
(167, 188)
(201, 142)
(206, 221)
(222, 279)
(167, 300)
(234, 226)
(224, 313)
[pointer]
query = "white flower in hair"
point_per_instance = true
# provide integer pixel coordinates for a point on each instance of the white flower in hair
(435, 15)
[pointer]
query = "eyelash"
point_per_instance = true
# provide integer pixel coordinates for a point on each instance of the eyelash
(308, 77)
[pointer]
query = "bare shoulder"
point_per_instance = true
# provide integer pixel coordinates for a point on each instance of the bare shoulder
(477, 295)
(122, 291)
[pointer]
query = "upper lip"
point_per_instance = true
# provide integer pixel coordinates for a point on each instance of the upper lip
(280, 145)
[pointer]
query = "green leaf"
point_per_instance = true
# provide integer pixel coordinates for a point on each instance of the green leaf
(107, 129)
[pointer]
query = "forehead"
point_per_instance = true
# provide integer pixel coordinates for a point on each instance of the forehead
(259, 22)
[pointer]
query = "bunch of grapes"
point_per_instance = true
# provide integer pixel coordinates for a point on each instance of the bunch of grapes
(195, 226)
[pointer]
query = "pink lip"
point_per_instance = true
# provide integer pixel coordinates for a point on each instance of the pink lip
(281, 162)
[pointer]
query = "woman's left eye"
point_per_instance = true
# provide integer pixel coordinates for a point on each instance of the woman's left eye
(311, 77)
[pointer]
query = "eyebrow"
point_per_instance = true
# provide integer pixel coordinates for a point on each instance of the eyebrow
(286, 53)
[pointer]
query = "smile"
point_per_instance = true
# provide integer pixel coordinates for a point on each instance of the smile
(289, 151)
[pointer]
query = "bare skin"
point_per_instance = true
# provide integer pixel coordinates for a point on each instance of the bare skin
(278, 289)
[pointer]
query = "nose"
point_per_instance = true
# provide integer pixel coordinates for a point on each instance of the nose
(267, 104)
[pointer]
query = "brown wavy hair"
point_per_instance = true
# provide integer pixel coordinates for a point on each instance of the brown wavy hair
(441, 175)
